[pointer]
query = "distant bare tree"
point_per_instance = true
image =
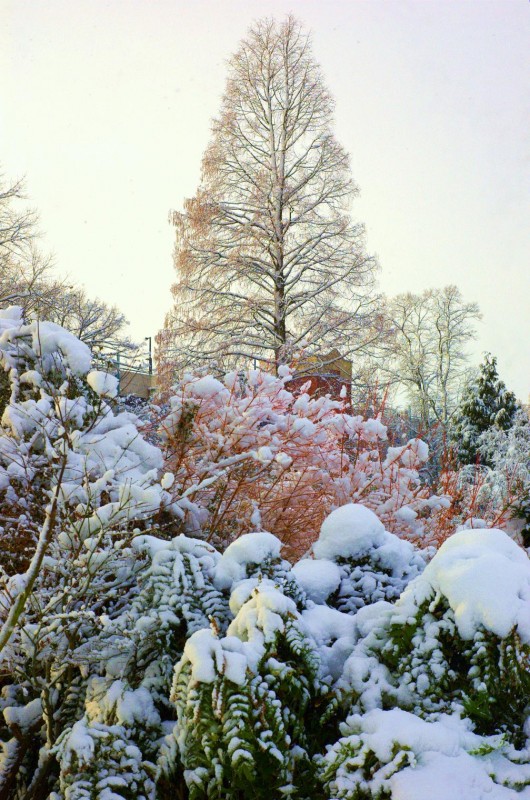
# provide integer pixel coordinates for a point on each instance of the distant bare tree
(267, 257)
(17, 223)
(428, 356)
(27, 279)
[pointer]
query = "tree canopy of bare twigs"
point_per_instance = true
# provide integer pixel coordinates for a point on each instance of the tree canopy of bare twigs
(427, 357)
(17, 224)
(28, 280)
(267, 257)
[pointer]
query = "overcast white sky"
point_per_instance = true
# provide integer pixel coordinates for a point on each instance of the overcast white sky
(105, 107)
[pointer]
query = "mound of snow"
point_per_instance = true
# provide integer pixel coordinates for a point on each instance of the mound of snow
(334, 634)
(206, 387)
(250, 548)
(396, 754)
(318, 578)
(104, 384)
(485, 578)
(349, 532)
(373, 563)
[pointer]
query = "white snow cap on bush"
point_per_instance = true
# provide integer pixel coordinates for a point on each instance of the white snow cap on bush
(348, 532)
(47, 340)
(318, 578)
(104, 384)
(206, 387)
(334, 634)
(485, 578)
(417, 759)
(251, 548)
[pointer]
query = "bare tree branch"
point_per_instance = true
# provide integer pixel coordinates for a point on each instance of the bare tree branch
(266, 249)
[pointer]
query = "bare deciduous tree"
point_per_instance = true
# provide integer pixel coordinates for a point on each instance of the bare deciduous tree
(428, 356)
(27, 279)
(267, 257)
(17, 224)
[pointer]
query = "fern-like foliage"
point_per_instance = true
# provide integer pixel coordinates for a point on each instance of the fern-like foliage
(243, 704)
(174, 598)
(109, 751)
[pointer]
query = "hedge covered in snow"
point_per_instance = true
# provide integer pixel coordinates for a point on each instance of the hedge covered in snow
(140, 663)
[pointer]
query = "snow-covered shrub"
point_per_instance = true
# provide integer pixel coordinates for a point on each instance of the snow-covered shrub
(45, 658)
(247, 454)
(439, 682)
(174, 598)
(77, 484)
(357, 562)
(250, 706)
(457, 639)
(134, 665)
(252, 558)
(58, 422)
(107, 752)
(508, 481)
(395, 754)
(101, 761)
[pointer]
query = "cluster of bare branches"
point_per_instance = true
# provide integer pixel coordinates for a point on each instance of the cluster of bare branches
(426, 357)
(267, 257)
(27, 279)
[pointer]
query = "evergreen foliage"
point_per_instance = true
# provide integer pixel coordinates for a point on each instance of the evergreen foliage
(486, 404)
(106, 753)
(429, 670)
(373, 564)
(134, 664)
(173, 599)
(249, 705)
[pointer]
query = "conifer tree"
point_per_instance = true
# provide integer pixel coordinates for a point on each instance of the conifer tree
(486, 404)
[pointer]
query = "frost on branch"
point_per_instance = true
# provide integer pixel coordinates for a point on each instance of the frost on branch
(249, 455)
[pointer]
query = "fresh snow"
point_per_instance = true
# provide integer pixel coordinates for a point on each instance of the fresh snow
(414, 759)
(319, 578)
(485, 578)
(348, 532)
(103, 383)
(251, 548)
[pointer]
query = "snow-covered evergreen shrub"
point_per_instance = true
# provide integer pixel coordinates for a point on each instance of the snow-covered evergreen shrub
(250, 706)
(174, 598)
(508, 481)
(395, 755)
(458, 638)
(250, 559)
(108, 752)
(82, 481)
(485, 404)
(357, 562)
(440, 682)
